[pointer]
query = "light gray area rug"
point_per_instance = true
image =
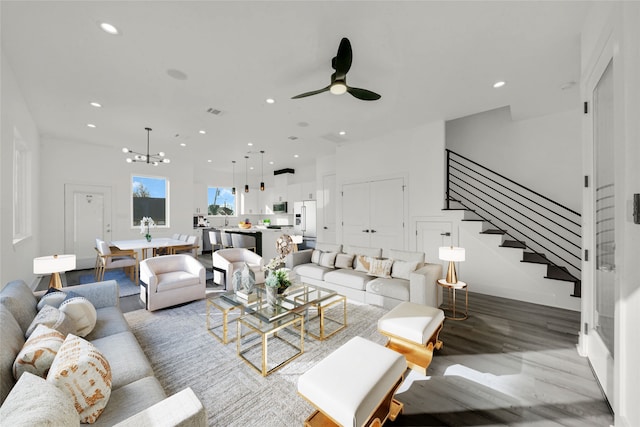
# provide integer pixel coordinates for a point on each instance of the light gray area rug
(183, 354)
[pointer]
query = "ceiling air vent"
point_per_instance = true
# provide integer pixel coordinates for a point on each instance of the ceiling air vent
(293, 138)
(214, 111)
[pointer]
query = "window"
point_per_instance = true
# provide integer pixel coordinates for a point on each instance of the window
(21, 188)
(150, 198)
(221, 201)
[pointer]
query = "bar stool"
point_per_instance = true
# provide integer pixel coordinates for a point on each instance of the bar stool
(226, 240)
(215, 238)
(243, 241)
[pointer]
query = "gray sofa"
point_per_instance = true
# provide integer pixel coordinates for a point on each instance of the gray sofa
(404, 284)
(137, 397)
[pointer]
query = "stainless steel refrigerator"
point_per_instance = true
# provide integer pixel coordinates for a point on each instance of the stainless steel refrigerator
(304, 221)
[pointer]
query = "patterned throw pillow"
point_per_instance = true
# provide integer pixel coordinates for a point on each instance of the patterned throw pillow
(38, 352)
(82, 372)
(81, 311)
(53, 318)
(53, 297)
(344, 261)
(402, 269)
(381, 268)
(328, 259)
(363, 263)
(315, 256)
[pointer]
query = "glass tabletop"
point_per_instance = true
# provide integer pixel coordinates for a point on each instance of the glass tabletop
(294, 300)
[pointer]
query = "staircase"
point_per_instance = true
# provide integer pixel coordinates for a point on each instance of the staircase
(539, 230)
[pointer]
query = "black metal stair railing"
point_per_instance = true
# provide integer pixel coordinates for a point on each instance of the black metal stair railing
(547, 230)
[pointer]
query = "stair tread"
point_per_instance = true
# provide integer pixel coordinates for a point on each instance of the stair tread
(513, 244)
(534, 258)
(559, 273)
(493, 231)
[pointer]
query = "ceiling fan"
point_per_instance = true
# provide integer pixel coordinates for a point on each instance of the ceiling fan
(342, 63)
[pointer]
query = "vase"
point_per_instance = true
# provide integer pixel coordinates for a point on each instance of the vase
(272, 296)
(148, 236)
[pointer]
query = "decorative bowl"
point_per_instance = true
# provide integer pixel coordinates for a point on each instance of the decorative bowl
(244, 225)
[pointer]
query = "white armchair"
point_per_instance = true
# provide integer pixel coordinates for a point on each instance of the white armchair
(226, 261)
(171, 280)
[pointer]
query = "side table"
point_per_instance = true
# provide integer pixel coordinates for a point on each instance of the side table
(451, 291)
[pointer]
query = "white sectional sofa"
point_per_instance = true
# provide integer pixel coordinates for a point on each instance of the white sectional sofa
(368, 275)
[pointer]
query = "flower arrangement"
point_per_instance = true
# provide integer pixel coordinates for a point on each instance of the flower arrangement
(146, 223)
(277, 277)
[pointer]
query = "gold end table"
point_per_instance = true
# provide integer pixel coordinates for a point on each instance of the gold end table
(451, 292)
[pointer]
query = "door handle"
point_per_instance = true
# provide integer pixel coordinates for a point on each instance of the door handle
(365, 231)
(326, 228)
(445, 234)
(373, 231)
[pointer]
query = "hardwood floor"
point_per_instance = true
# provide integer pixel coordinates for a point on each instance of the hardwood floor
(509, 363)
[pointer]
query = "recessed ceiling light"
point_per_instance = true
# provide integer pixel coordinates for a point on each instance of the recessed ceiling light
(95, 104)
(251, 168)
(91, 125)
(182, 144)
(342, 132)
(271, 101)
(209, 161)
(202, 132)
(271, 162)
(109, 29)
(499, 84)
(250, 144)
(296, 156)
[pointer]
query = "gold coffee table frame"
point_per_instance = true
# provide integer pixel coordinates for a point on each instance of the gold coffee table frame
(268, 330)
(322, 307)
(225, 308)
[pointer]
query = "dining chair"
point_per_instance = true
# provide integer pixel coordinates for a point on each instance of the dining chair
(127, 260)
(191, 246)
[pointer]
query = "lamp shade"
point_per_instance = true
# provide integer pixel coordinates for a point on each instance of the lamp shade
(450, 253)
(54, 264)
(296, 238)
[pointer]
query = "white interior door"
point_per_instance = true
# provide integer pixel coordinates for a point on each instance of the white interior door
(386, 213)
(600, 338)
(355, 214)
(327, 232)
(87, 217)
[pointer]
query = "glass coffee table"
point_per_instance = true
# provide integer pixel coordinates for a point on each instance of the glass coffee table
(282, 325)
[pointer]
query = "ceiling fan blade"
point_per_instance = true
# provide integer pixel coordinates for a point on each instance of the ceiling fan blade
(314, 92)
(342, 60)
(364, 94)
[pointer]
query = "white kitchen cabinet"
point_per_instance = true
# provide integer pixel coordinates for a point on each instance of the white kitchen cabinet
(294, 193)
(248, 201)
(308, 190)
(200, 199)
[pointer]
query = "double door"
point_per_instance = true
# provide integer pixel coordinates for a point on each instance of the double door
(373, 213)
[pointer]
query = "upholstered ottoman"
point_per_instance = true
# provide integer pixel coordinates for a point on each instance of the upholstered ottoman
(354, 385)
(413, 331)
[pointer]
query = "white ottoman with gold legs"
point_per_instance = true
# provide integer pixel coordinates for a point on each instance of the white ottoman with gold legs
(354, 385)
(413, 331)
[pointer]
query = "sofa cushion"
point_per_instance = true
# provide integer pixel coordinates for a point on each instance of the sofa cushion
(397, 254)
(81, 312)
(20, 301)
(362, 263)
(315, 256)
(11, 342)
(53, 318)
(175, 280)
(127, 361)
(110, 321)
(348, 278)
(328, 247)
(84, 374)
(311, 271)
(411, 321)
(402, 269)
(344, 261)
(362, 250)
(381, 268)
(390, 288)
(131, 399)
(328, 259)
(36, 402)
(37, 354)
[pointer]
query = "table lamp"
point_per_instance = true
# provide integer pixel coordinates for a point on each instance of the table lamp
(54, 265)
(451, 254)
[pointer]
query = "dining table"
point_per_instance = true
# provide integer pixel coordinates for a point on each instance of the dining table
(143, 245)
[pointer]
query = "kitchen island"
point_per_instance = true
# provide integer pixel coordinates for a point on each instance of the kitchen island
(265, 238)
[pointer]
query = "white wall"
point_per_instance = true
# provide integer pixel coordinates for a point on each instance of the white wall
(416, 153)
(16, 260)
(618, 23)
(541, 153)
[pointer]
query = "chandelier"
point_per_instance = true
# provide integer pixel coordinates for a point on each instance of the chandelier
(153, 159)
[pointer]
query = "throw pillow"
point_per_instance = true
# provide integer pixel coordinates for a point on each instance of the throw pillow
(328, 259)
(82, 372)
(381, 268)
(315, 256)
(53, 297)
(344, 261)
(402, 269)
(81, 311)
(53, 318)
(38, 352)
(363, 263)
(35, 402)
(18, 298)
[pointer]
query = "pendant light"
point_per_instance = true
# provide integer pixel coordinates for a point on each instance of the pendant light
(246, 174)
(262, 171)
(233, 178)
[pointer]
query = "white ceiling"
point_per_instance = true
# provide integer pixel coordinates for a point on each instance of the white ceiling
(429, 60)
